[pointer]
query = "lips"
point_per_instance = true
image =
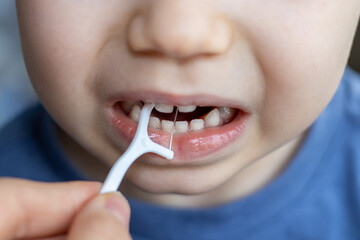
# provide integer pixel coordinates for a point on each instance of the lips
(198, 132)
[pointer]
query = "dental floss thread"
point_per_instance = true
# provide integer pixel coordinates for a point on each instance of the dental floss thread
(172, 131)
(140, 145)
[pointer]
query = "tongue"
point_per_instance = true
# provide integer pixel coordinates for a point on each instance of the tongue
(198, 113)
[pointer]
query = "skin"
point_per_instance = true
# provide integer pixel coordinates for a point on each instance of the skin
(72, 210)
(281, 60)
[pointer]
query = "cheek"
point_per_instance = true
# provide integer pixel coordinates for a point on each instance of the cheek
(61, 43)
(302, 58)
(60, 48)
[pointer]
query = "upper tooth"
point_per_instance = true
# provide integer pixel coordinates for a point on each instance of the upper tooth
(212, 119)
(181, 126)
(135, 113)
(197, 124)
(128, 105)
(186, 109)
(164, 108)
(226, 112)
(167, 126)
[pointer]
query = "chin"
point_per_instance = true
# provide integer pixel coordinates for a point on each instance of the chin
(180, 181)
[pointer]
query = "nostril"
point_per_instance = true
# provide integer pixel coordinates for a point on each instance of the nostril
(137, 39)
(176, 43)
(178, 37)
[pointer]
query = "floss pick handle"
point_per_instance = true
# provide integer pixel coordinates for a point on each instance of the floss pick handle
(140, 145)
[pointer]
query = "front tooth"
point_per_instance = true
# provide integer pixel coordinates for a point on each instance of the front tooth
(212, 119)
(164, 108)
(154, 122)
(135, 113)
(181, 126)
(167, 126)
(197, 124)
(186, 109)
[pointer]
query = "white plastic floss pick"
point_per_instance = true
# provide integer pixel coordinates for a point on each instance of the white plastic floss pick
(140, 145)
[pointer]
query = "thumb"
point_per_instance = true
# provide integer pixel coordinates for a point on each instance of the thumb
(105, 217)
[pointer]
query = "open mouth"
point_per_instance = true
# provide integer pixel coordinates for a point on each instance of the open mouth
(198, 131)
(180, 119)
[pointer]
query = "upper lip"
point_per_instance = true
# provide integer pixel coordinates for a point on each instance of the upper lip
(177, 100)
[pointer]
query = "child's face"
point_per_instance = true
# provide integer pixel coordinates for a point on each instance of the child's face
(277, 62)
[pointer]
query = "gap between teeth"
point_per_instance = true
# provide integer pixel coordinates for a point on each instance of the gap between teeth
(211, 119)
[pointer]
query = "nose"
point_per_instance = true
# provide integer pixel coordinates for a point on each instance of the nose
(179, 29)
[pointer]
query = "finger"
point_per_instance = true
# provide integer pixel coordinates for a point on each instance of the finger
(105, 217)
(34, 210)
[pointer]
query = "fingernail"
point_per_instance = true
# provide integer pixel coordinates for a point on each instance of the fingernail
(117, 204)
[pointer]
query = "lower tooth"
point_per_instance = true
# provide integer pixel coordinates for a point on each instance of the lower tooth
(181, 126)
(167, 126)
(154, 122)
(212, 119)
(197, 124)
(135, 113)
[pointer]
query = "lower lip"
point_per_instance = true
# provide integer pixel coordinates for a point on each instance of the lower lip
(187, 147)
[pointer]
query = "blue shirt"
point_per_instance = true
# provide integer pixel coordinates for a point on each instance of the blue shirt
(316, 197)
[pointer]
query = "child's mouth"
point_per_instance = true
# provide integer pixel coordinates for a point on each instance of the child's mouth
(198, 131)
(189, 118)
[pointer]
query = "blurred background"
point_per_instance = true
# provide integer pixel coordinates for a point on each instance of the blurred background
(15, 89)
(16, 92)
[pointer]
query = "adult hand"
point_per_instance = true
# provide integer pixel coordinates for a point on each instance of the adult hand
(72, 210)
